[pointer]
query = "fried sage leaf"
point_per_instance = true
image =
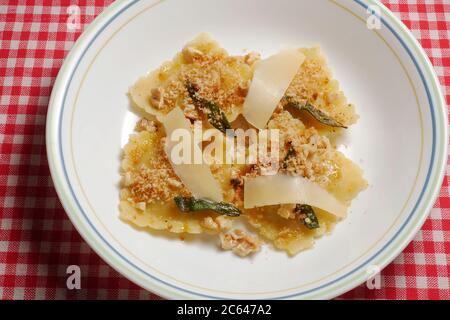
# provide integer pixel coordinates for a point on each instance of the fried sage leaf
(307, 215)
(316, 113)
(216, 117)
(290, 153)
(191, 204)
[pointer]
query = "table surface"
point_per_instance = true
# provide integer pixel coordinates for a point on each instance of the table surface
(37, 240)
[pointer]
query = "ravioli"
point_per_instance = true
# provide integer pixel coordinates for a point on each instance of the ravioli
(151, 183)
(221, 77)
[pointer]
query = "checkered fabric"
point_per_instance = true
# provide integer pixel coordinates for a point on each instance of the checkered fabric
(37, 240)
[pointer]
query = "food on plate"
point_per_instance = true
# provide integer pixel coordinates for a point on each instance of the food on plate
(205, 110)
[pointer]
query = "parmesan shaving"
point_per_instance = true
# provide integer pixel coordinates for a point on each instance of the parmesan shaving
(197, 178)
(270, 81)
(284, 189)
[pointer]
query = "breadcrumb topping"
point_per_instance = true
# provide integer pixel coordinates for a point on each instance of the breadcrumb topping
(314, 84)
(150, 179)
(153, 184)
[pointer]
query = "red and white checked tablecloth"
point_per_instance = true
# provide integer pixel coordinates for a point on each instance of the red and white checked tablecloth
(37, 240)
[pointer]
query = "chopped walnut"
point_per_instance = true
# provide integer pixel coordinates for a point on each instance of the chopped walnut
(191, 113)
(332, 96)
(174, 183)
(252, 57)
(209, 223)
(141, 206)
(242, 90)
(124, 194)
(224, 223)
(191, 54)
(145, 125)
(218, 224)
(240, 242)
(127, 179)
(286, 211)
(156, 98)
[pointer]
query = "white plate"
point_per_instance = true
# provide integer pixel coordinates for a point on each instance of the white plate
(400, 141)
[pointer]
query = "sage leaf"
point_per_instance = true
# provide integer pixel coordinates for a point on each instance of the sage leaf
(191, 204)
(216, 117)
(319, 115)
(307, 215)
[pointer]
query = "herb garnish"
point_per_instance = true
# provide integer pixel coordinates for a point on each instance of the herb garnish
(290, 153)
(216, 117)
(316, 113)
(191, 204)
(307, 215)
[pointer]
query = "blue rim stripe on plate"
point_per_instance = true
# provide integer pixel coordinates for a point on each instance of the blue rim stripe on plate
(430, 169)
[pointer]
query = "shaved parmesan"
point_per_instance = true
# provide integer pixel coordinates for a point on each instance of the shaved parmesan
(175, 120)
(197, 178)
(284, 189)
(270, 81)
